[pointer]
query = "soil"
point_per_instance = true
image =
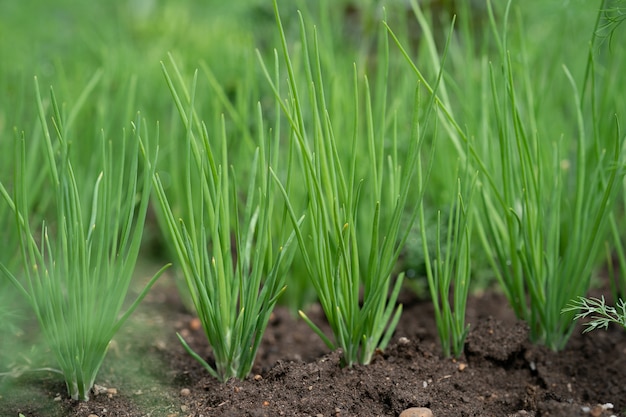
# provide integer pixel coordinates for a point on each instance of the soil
(148, 373)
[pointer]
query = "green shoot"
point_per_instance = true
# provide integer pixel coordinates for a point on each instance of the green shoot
(78, 268)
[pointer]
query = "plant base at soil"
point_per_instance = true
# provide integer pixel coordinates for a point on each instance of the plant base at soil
(500, 373)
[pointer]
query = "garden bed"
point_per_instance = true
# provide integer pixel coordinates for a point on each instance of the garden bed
(358, 126)
(148, 373)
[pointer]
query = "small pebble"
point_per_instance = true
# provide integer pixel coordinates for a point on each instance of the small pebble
(258, 377)
(195, 324)
(92, 415)
(99, 389)
(185, 392)
(596, 411)
(417, 412)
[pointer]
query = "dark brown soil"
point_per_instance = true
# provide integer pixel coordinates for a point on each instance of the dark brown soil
(500, 374)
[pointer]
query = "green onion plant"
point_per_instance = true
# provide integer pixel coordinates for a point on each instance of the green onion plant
(546, 193)
(225, 245)
(173, 165)
(610, 25)
(78, 268)
(549, 179)
(353, 236)
(596, 310)
(546, 220)
(449, 277)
